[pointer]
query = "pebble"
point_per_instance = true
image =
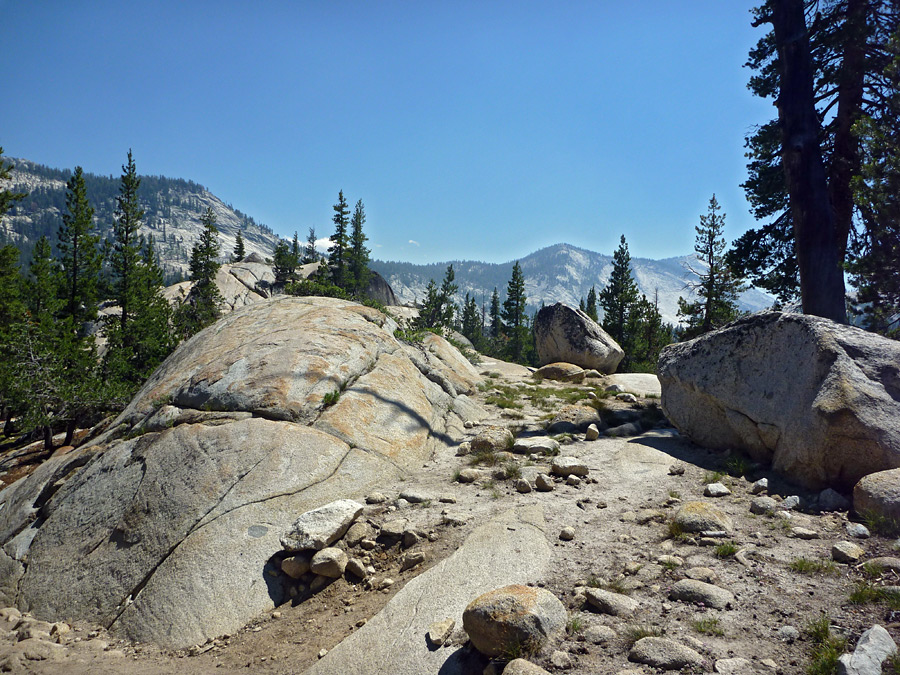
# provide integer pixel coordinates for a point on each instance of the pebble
(439, 632)
(592, 433)
(543, 483)
(410, 560)
(599, 635)
(567, 533)
(804, 533)
(464, 448)
(561, 660)
(670, 561)
(626, 397)
(385, 584)
(664, 653)
(469, 475)
(574, 481)
(322, 653)
(367, 544)
(830, 500)
(846, 552)
(716, 490)
(376, 498)
(523, 486)
(691, 590)
(704, 574)
(394, 528)
(568, 466)
(676, 470)
(414, 497)
(447, 499)
(356, 567)
(608, 602)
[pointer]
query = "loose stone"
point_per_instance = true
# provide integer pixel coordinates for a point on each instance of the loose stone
(763, 505)
(543, 483)
(846, 552)
(664, 653)
(567, 533)
(716, 490)
(608, 602)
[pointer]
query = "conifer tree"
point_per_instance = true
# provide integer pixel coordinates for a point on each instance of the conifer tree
(310, 255)
(284, 264)
(41, 289)
(513, 314)
(716, 287)
(201, 307)
(79, 257)
(358, 254)
(7, 197)
(295, 254)
(337, 252)
(125, 246)
(496, 320)
(619, 295)
(471, 321)
(590, 307)
(438, 308)
(239, 252)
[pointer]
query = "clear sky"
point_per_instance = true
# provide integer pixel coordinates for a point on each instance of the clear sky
(478, 130)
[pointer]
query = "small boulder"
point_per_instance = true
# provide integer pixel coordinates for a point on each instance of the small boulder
(663, 653)
(574, 418)
(875, 646)
(543, 483)
(608, 602)
(439, 632)
(329, 562)
(469, 475)
(592, 433)
(831, 500)
(563, 372)
(321, 527)
(544, 445)
(568, 466)
(701, 516)
(716, 490)
(523, 486)
(296, 566)
(492, 439)
(523, 667)
(625, 430)
(506, 619)
(879, 493)
(846, 552)
(763, 505)
(693, 591)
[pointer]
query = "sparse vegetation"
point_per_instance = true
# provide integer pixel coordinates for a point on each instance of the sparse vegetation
(331, 398)
(483, 457)
(726, 550)
(574, 625)
(713, 477)
(512, 470)
(675, 531)
(738, 466)
(827, 648)
(878, 523)
(866, 593)
(810, 566)
(632, 634)
(708, 626)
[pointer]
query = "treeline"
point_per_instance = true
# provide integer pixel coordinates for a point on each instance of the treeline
(84, 323)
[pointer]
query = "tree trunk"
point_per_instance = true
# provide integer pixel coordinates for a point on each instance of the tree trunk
(48, 437)
(845, 158)
(815, 235)
(71, 425)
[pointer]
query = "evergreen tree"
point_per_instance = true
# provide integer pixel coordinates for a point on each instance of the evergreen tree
(41, 285)
(238, 253)
(7, 197)
(647, 336)
(619, 295)
(590, 307)
(358, 254)
(79, 257)
(496, 321)
(513, 314)
(295, 254)
(438, 309)
(717, 288)
(201, 307)
(310, 255)
(284, 263)
(337, 252)
(125, 245)
(471, 321)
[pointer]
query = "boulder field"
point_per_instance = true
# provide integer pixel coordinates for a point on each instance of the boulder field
(818, 401)
(282, 406)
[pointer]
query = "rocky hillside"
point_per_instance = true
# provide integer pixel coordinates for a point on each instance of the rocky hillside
(559, 273)
(172, 210)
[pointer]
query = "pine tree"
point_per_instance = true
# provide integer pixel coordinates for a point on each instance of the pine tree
(295, 255)
(471, 321)
(358, 254)
(284, 264)
(513, 314)
(619, 295)
(717, 288)
(7, 197)
(496, 320)
(438, 309)
(238, 253)
(79, 257)
(590, 307)
(309, 252)
(647, 336)
(337, 252)
(201, 307)
(41, 286)
(125, 245)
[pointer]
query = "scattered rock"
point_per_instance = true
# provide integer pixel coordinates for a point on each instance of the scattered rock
(410, 560)
(573, 480)
(608, 602)
(676, 470)
(763, 505)
(492, 439)
(856, 530)
(523, 667)
(700, 516)
(507, 618)
(716, 490)
(469, 475)
(439, 632)
(670, 561)
(739, 666)
(357, 568)
(886, 562)
(627, 397)
(567, 533)
(879, 493)
(599, 634)
(790, 503)
(523, 486)
(804, 533)
(567, 466)
(704, 574)
(831, 500)
(561, 660)
(544, 445)
(296, 566)
(691, 590)
(376, 498)
(575, 418)
(563, 372)
(463, 449)
(329, 562)
(543, 483)
(592, 433)
(415, 497)
(788, 634)
(664, 653)
(394, 529)
(875, 646)
(357, 532)
(846, 552)
(760, 486)
(321, 527)
(625, 430)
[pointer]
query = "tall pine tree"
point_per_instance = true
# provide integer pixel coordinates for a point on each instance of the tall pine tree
(239, 251)
(202, 306)
(358, 254)
(79, 258)
(619, 295)
(514, 318)
(340, 242)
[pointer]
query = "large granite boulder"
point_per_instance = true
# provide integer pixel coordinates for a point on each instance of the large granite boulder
(566, 334)
(165, 527)
(818, 400)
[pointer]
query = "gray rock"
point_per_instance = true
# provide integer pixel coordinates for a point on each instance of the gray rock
(790, 503)
(857, 530)
(561, 660)
(395, 528)
(563, 372)
(740, 666)
(469, 475)
(357, 532)
(463, 449)
(567, 466)
(410, 560)
(544, 445)
(760, 486)
(439, 632)
(763, 505)
(788, 633)
(625, 430)
(804, 533)
(664, 653)
(830, 500)
(599, 634)
(321, 527)
(543, 483)
(716, 490)
(523, 486)
(886, 562)
(627, 397)
(523, 667)
(879, 493)
(503, 620)
(846, 552)
(875, 646)
(608, 602)
(415, 497)
(691, 590)
(567, 533)
(357, 568)
(492, 439)
(574, 481)
(563, 333)
(722, 390)
(704, 574)
(297, 565)
(701, 516)
(376, 498)
(329, 562)
(575, 418)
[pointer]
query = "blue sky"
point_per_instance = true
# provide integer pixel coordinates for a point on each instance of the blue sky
(476, 130)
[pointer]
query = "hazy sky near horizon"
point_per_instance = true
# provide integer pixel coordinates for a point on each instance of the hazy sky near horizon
(471, 130)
